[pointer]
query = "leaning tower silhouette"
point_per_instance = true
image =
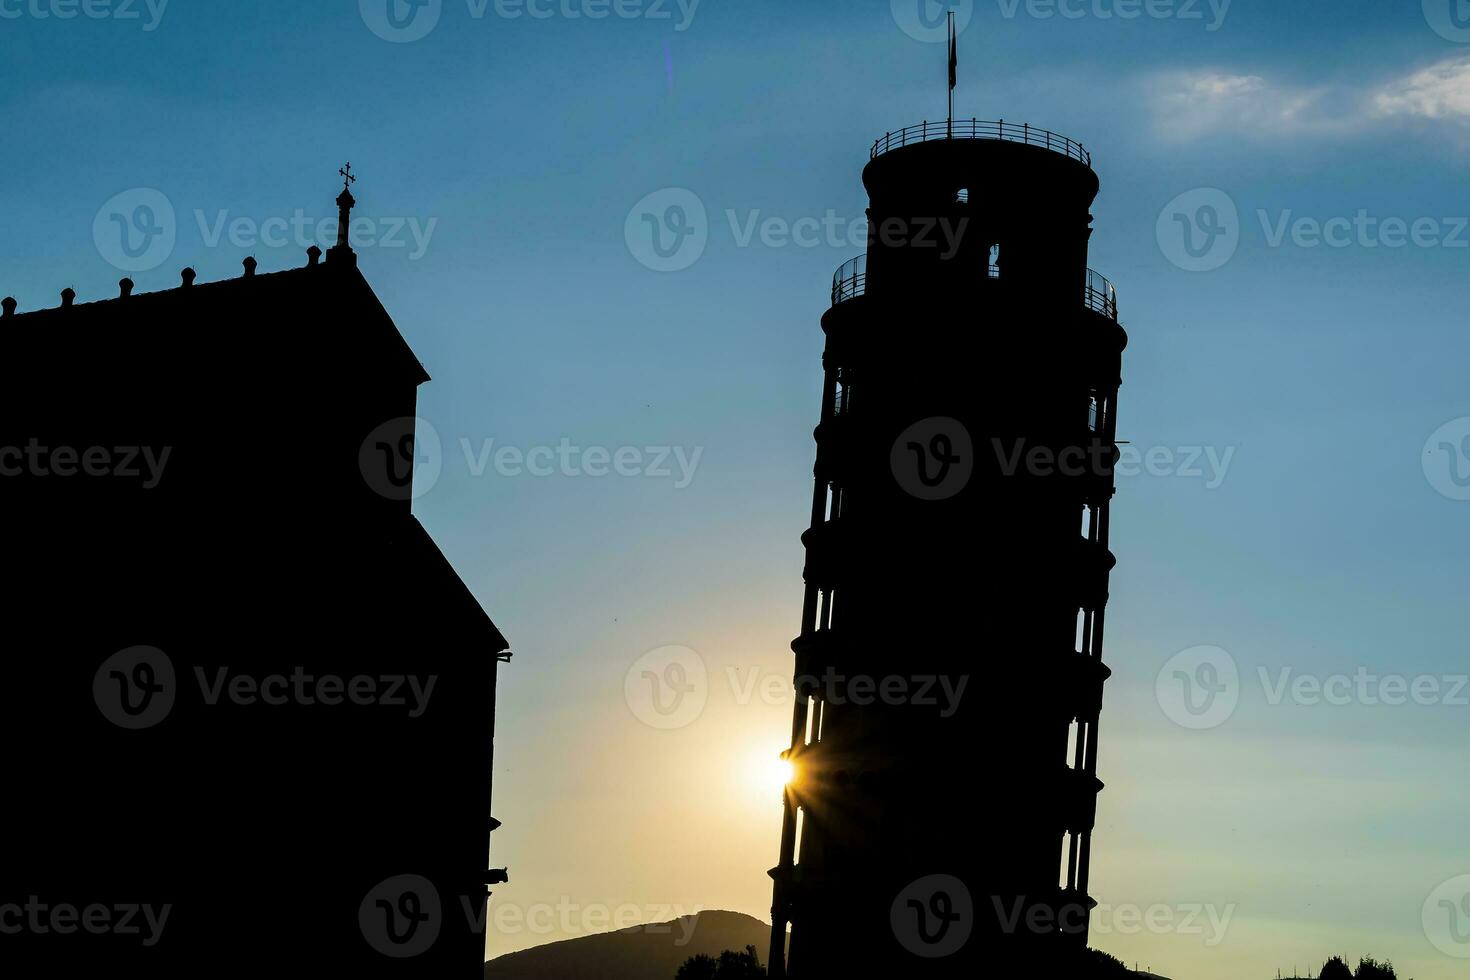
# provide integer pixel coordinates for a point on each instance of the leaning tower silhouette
(949, 670)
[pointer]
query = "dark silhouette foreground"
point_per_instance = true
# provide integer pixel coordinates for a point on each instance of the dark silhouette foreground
(729, 965)
(1368, 969)
(246, 694)
(949, 671)
(650, 952)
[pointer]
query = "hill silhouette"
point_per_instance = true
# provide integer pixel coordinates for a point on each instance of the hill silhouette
(648, 952)
(656, 951)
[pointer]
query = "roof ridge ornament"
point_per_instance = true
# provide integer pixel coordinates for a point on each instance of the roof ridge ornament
(345, 203)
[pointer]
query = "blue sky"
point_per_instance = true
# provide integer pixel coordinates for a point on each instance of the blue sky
(516, 148)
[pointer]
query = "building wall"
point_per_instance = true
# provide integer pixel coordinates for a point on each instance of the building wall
(264, 550)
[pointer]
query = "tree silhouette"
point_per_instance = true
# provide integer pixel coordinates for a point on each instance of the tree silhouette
(1097, 965)
(1336, 969)
(1371, 969)
(730, 966)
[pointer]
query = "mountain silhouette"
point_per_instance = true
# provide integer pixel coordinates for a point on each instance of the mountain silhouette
(656, 951)
(649, 952)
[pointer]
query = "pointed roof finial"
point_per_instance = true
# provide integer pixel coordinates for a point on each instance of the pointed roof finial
(345, 202)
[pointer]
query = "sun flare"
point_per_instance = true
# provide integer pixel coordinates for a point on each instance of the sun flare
(769, 773)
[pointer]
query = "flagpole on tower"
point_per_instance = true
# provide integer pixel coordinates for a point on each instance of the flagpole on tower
(954, 61)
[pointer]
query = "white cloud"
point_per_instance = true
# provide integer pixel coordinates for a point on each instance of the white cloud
(1441, 91)
(1192, 105)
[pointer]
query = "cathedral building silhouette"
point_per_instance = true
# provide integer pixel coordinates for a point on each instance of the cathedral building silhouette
(247, 696)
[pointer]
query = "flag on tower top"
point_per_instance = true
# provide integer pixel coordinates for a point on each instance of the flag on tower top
(954, 53)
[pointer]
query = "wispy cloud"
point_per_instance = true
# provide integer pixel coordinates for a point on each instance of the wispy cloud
(1192, 105)
(1195, 105)
(1441, 91)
